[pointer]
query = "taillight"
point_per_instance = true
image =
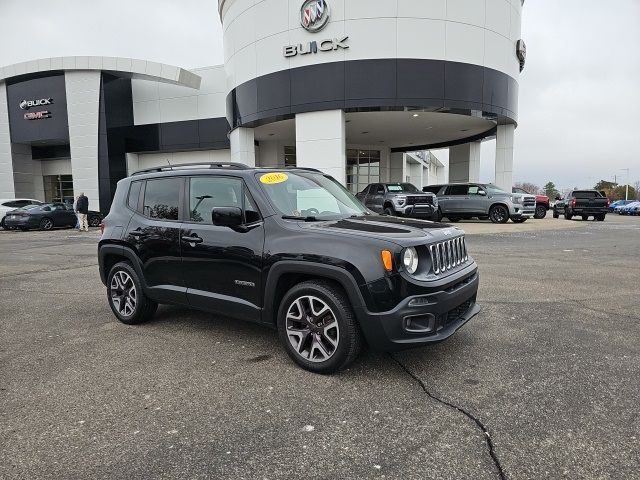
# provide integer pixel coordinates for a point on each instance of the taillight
(573, 202)
(102, 225)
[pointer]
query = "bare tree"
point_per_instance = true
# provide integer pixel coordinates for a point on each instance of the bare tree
(528, 187)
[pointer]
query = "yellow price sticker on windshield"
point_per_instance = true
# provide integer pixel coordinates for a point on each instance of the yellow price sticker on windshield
(273, 178)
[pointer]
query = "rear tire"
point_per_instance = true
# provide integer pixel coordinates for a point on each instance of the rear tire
(94, 221)
(453, 219)
(585, 218)
(555, 214)
(567, 216)
(125, 295)
(541, 212)
(518, 220)
(600, 217)
(499, 214)
(317, 327)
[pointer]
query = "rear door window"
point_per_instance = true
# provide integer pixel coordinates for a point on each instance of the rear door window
(457, 190)
(162, 198)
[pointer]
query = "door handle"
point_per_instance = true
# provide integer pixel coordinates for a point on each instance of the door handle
(138, 233)
(194, 239)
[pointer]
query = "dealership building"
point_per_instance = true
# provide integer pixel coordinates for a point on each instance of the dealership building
(360, 89)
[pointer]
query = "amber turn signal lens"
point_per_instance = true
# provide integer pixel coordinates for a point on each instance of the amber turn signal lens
(387, 260)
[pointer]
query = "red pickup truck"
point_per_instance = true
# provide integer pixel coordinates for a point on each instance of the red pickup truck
(542, 202)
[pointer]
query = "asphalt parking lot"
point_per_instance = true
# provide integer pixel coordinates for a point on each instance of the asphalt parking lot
(544, 383)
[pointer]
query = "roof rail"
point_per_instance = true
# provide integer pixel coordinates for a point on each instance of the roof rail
(309, 169)
(186, 166)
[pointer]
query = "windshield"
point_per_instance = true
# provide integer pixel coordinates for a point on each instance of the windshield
(494, 189)
(402, 188)
(303, 194)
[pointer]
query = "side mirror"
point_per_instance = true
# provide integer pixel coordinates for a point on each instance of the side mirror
(482, 192)
(227, 217)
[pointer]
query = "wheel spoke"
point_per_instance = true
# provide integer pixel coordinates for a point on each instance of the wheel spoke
(317, 346)
(329, 335)
(323, 307)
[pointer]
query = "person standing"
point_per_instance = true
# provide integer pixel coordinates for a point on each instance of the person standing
(82, 208)
(75, 209)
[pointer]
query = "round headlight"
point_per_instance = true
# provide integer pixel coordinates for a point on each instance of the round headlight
(410, 260)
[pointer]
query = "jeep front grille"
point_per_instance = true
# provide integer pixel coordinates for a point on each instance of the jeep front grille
(448, 255)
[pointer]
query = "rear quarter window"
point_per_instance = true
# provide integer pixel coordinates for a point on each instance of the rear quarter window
(134, 195)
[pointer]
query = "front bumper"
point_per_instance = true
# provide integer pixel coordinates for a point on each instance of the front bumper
(418, 211)
(439, 315)
(520, 211)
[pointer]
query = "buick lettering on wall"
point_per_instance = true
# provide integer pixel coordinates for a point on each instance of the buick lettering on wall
(314, 16)
(27, 104)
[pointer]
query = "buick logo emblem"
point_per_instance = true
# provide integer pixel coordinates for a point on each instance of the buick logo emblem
(521, 52)
(27, 104)
(314, 15)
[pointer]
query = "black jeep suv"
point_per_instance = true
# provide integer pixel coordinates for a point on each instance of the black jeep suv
(291, 249)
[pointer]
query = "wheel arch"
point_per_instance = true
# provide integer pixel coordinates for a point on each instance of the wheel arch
(110, 254)
(286, 274)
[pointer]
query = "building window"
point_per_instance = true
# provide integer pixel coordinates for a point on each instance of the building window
(58, 189)
(363, 168)
(290, 156)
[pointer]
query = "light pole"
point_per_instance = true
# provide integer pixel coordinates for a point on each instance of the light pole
(626, 196)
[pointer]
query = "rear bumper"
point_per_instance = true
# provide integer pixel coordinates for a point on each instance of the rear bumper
(436, 318)
(24, 222)
(587, 211)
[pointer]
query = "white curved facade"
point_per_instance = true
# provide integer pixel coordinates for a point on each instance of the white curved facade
(479, 32)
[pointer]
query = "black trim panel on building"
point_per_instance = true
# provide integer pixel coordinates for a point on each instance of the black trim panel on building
(378, 84)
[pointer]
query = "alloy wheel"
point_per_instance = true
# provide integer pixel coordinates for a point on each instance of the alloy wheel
(123, 293)
(46, 224)
(312, 329)
(499, 214)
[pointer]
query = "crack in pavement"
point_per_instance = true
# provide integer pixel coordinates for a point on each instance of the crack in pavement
(479, 424)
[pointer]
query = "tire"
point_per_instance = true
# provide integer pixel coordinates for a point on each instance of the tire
(499, 214)
(541, 212)
(390, 212)
(453, 219)
(600, 217)
(94, 221)
(438, 216)
(324, 348)
(585, 218)
(122, 280)
(46, 224)
(518, 220)
(555, 214)
(567, 216)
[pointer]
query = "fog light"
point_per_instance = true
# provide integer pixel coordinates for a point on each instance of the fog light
(420, 323)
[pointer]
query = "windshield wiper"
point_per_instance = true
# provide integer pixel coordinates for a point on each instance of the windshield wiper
(300, 219)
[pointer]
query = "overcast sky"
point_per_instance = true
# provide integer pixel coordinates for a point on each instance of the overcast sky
(579, 118)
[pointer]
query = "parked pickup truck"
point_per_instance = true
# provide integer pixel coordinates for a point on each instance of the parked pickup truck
(542, 202)
(582, 203)
(399, 200)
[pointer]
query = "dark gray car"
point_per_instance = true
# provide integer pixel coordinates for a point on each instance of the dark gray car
(399, 199)
(466, 200)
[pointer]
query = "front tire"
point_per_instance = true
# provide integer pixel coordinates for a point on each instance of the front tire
(389, 211)
(518, 220)
(46, 224)
(317, 327)
(567, 216)
(127, 300)
(541, 212)
(499, 214)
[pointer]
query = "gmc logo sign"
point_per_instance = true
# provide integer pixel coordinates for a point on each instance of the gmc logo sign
(37, 115)
(27, 104)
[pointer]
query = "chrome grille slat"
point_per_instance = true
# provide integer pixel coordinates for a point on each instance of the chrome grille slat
(448, 255)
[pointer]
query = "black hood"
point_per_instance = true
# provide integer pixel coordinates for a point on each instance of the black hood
(387, 228)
